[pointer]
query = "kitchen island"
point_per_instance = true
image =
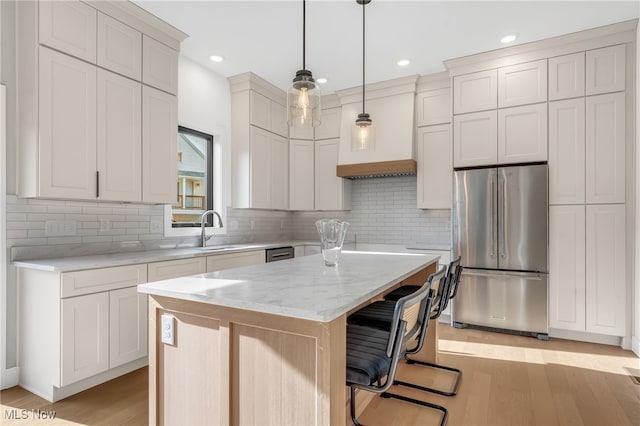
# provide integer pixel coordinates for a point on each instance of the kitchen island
(264, 344)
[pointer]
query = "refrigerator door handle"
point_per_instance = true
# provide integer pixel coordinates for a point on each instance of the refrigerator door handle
(492, 215)
(533, 276)
(502, 186)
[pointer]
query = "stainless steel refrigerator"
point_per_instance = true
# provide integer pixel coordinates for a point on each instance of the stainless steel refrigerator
(500, 230)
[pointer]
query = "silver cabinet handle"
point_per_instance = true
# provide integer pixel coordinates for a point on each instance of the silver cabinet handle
(492, 217)
(528, 275)
(502, 208)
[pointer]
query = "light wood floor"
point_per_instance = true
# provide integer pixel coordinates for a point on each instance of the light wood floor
(508, 380)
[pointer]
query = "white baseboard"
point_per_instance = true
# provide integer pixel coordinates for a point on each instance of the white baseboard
(586, 337)
(635, 345)
(9, 377)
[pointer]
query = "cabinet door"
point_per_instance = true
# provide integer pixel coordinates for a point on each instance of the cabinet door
(522, 84)
(158, 271)
(159, 146)
(566, 76)
(127, 326)
(259, 110)
(279, 173)
(567, 267)
(260, 169)
(119, 47)
(67, 111)
(302, 172)
(605, 148)
(566, 151)
(85, 336)
(235, 260)
(605, 269)
(522, 134)
(119, 138)
(331, 192)
(475, 139)
(433, 107)
(279, 124)
(475, 92)
(305, 133)
(435, 167)
(69, 26)
(329, 127)
(605, 70)
(159, 65)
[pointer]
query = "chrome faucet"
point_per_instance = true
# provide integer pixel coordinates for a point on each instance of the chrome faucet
(206, 238)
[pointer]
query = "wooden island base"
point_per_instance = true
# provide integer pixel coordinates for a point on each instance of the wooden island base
(231, 366)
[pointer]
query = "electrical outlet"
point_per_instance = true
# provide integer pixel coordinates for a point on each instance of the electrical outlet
(253, 224)
(60, 228)
(281, 223)
(168, 329)
(155, 227)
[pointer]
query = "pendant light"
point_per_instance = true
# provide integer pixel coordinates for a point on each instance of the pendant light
(363, 132)
(303, 96)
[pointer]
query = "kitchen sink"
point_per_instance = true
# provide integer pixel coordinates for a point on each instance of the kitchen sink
(215, 248)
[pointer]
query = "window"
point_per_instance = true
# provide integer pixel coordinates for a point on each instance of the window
(195, 179)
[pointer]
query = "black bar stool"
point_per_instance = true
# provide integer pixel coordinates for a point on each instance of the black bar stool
(373, 354)
(379, 315)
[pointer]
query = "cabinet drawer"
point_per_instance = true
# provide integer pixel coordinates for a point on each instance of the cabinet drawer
(234, 260)
(96, 280)
(176, 268)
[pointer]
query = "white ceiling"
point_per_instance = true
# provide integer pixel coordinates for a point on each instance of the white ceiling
(265, 37)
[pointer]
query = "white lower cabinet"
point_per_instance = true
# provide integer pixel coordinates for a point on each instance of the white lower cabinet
(85, 336)
(128, 329)
(235, 260)
(587, 268)
(567, 267)
(605, 269)
(168, 269)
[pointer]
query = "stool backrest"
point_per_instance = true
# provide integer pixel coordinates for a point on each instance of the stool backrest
(411, 314)
(453, 276)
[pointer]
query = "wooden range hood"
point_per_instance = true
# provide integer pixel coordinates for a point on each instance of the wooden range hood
(377, 169)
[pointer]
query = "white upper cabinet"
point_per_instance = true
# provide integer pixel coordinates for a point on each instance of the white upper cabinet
(566, 76)
(433, 107)
(605, 269)
(119, 138)
(305, 133)
(435, 168)
(69, 26)
(475, 92)
(301, 174)
(119, 47)
(567, 151)
(522, 84)
(605, 148)
(567, 267)
(522, 134)
(267, 114)
(329, 127)
(605, 70)
(159, 146)
(67, 128)
(159, 65)
(475, 139)
(331, 192)
(269, 166)
(279, 173)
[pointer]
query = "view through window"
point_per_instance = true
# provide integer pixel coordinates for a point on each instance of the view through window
(195, 178)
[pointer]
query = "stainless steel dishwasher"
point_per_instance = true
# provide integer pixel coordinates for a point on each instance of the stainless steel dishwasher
(280, 253)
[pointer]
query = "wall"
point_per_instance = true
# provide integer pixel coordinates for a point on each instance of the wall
(384, 211)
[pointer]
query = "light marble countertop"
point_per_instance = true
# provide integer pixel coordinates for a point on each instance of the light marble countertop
(301, 288)
(79, 263)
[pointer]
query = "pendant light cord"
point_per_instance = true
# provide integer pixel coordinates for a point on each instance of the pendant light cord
(304, 41)
(363, 5)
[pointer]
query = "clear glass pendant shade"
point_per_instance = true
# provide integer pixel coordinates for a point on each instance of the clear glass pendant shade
(303, 101)
(363, 135)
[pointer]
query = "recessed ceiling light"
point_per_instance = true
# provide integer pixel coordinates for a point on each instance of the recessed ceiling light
(403, 62)
(216, 58)
(509, 38)
(322, 80)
